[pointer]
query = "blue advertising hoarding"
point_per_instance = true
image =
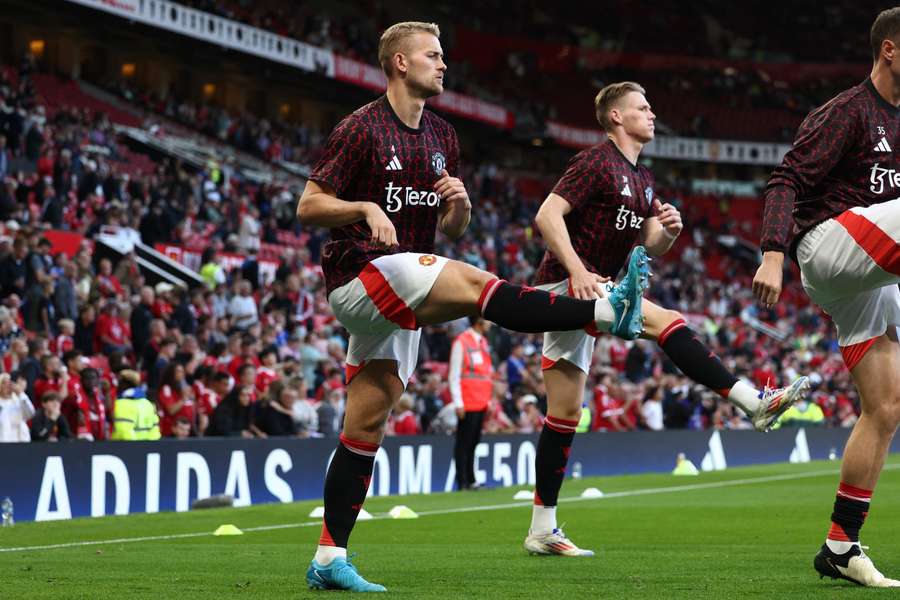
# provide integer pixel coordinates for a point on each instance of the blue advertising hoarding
(65, 480)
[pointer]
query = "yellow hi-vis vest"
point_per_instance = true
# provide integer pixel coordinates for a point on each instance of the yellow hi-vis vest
(135, 419)
(794, 417)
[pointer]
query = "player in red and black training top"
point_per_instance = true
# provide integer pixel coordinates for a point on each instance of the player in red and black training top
(386, 182)
(602, 206)
(833, 204)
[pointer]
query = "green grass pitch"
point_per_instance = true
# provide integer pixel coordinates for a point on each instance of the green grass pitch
(740, 533)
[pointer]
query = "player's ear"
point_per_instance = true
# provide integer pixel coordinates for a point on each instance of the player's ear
(400, 63)
(888, 50)
(615, 116)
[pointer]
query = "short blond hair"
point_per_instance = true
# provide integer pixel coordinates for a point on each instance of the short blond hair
(607, 98)
(394, 37)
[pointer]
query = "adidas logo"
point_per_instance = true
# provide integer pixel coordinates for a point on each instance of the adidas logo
(714, 460)
(394, 164)
(883, 146)
(626, 191)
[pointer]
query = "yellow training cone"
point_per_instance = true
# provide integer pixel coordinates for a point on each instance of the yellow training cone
(403, 512)
(228, 530)
(683, 466)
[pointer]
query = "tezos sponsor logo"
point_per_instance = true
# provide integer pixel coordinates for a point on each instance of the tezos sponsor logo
(398, 196)
(627, 218)
(880, 177)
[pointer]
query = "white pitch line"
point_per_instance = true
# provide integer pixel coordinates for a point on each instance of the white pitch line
(450, 511)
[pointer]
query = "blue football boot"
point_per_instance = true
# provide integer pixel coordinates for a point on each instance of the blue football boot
(339, 575)
(626, 296)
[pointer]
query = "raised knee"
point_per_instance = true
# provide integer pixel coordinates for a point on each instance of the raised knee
(886, 414)
(478, 280)
(671, 317)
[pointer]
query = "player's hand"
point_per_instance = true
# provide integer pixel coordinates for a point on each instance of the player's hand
(460, 412)
(451, 190)
(586, 285)
(383, 232)
(669, 218)
(768, 278)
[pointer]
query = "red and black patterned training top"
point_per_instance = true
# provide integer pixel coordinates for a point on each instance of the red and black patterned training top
(372, 156)
(844, 156)
(610, 199)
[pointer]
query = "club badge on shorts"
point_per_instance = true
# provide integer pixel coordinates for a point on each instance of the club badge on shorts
(438, 162)
(426, 260)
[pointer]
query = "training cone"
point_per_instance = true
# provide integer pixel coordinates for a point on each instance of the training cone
(318, 512)
(592, 492)
(523, 495)
(684, 467)
(228, 530)
(403, 512)
(364, 515)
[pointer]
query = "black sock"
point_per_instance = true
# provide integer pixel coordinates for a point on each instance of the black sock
(529, 310)
(346, 484)
(552, 456)
(694, 359)
(851, 506)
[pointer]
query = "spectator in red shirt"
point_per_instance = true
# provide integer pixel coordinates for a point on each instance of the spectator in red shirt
(112, 333)
(96, 403)
(609, 408)
(65, 341)
(266, 372)
(765, 376)
(54, 378)
(247, 355)
(108, 284)
(530, 419)
(162, 307)
(18, 352)
(213, 393)
(74, 406)
(403, 419)
(176, 399)
(333, 382)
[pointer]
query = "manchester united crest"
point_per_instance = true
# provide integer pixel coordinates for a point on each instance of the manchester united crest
(438, 162)
(426, 260)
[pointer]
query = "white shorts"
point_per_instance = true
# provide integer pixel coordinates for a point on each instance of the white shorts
(850, 267)
(377, 309)
(576, 346)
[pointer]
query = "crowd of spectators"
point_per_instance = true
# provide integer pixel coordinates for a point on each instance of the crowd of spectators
(533, 34)
(253, 357)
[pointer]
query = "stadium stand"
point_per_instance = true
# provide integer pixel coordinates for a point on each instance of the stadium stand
(77, 166)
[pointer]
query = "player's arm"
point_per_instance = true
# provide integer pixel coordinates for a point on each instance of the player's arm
(319, 206)
(660, 231)
(550, 219)
(456, 208)
(821, 142)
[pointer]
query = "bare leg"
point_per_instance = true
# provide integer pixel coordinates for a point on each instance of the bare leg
(370, 396)
(454, 295)
(565, 390)
(877, 377)
(657, 319)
